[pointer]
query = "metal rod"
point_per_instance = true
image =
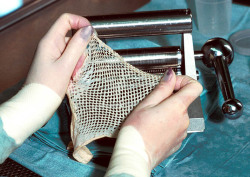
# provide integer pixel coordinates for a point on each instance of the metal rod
(198, 55)
(152, 56)
(143, 23)
(157, 56)
(224, 78)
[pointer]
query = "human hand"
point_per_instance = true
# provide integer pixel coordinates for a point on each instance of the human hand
(162, 119)
(156, 128)
(58, 56)
(56, 59)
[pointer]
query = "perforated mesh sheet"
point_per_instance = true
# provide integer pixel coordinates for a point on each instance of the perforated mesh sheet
(11, 168)
(102, 94)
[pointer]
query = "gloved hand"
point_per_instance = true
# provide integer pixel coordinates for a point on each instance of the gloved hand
(156, 127)
(58, 56)
(56, 59)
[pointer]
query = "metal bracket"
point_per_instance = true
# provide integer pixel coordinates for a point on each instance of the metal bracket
(197, 123)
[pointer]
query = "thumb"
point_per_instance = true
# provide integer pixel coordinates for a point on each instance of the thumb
(162, 91)
(76, 47)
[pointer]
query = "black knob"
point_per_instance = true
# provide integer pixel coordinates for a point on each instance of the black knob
(218, 53)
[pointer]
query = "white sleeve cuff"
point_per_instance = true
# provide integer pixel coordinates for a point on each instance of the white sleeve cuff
(129, 155)
(28, 111)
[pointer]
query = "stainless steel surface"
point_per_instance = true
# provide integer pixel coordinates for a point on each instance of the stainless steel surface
(152, 56)
(160, 70)
(217, 47)
(198, 55)
(195, 113)
(196, 125)
(218, 53)
(171, 56)
(157, 60)
(143, 23)
(232, 108)
(188, 50)
(154, 60)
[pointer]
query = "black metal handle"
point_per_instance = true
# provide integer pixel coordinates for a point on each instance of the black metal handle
(218, 53)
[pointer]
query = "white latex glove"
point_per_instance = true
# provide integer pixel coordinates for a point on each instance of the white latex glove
(156, 127)
(58, 56)
(56, 59)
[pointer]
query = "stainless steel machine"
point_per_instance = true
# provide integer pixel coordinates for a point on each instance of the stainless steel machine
(216, 53)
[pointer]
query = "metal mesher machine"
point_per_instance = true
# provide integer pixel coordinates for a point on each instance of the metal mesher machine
(217, 53)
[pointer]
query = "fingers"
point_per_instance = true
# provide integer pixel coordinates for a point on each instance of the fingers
(75, 48)
(188, 90)
(173, 150)
(181, 81)
(67, 40)
(79, 64)
(65, 23)
(163, 90)
(55, 38)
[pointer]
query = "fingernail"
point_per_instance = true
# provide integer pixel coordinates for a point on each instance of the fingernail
(167, 75)
(86, 32)
(85, 53)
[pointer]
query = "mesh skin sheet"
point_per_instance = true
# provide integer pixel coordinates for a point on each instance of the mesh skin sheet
(102, 94)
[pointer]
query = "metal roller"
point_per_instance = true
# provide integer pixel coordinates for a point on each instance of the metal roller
(153, 56)
(157, 59)
(154, 60)
(143, 23)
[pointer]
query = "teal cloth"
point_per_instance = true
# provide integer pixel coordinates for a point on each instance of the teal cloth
(8, 144)
(222, 150)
